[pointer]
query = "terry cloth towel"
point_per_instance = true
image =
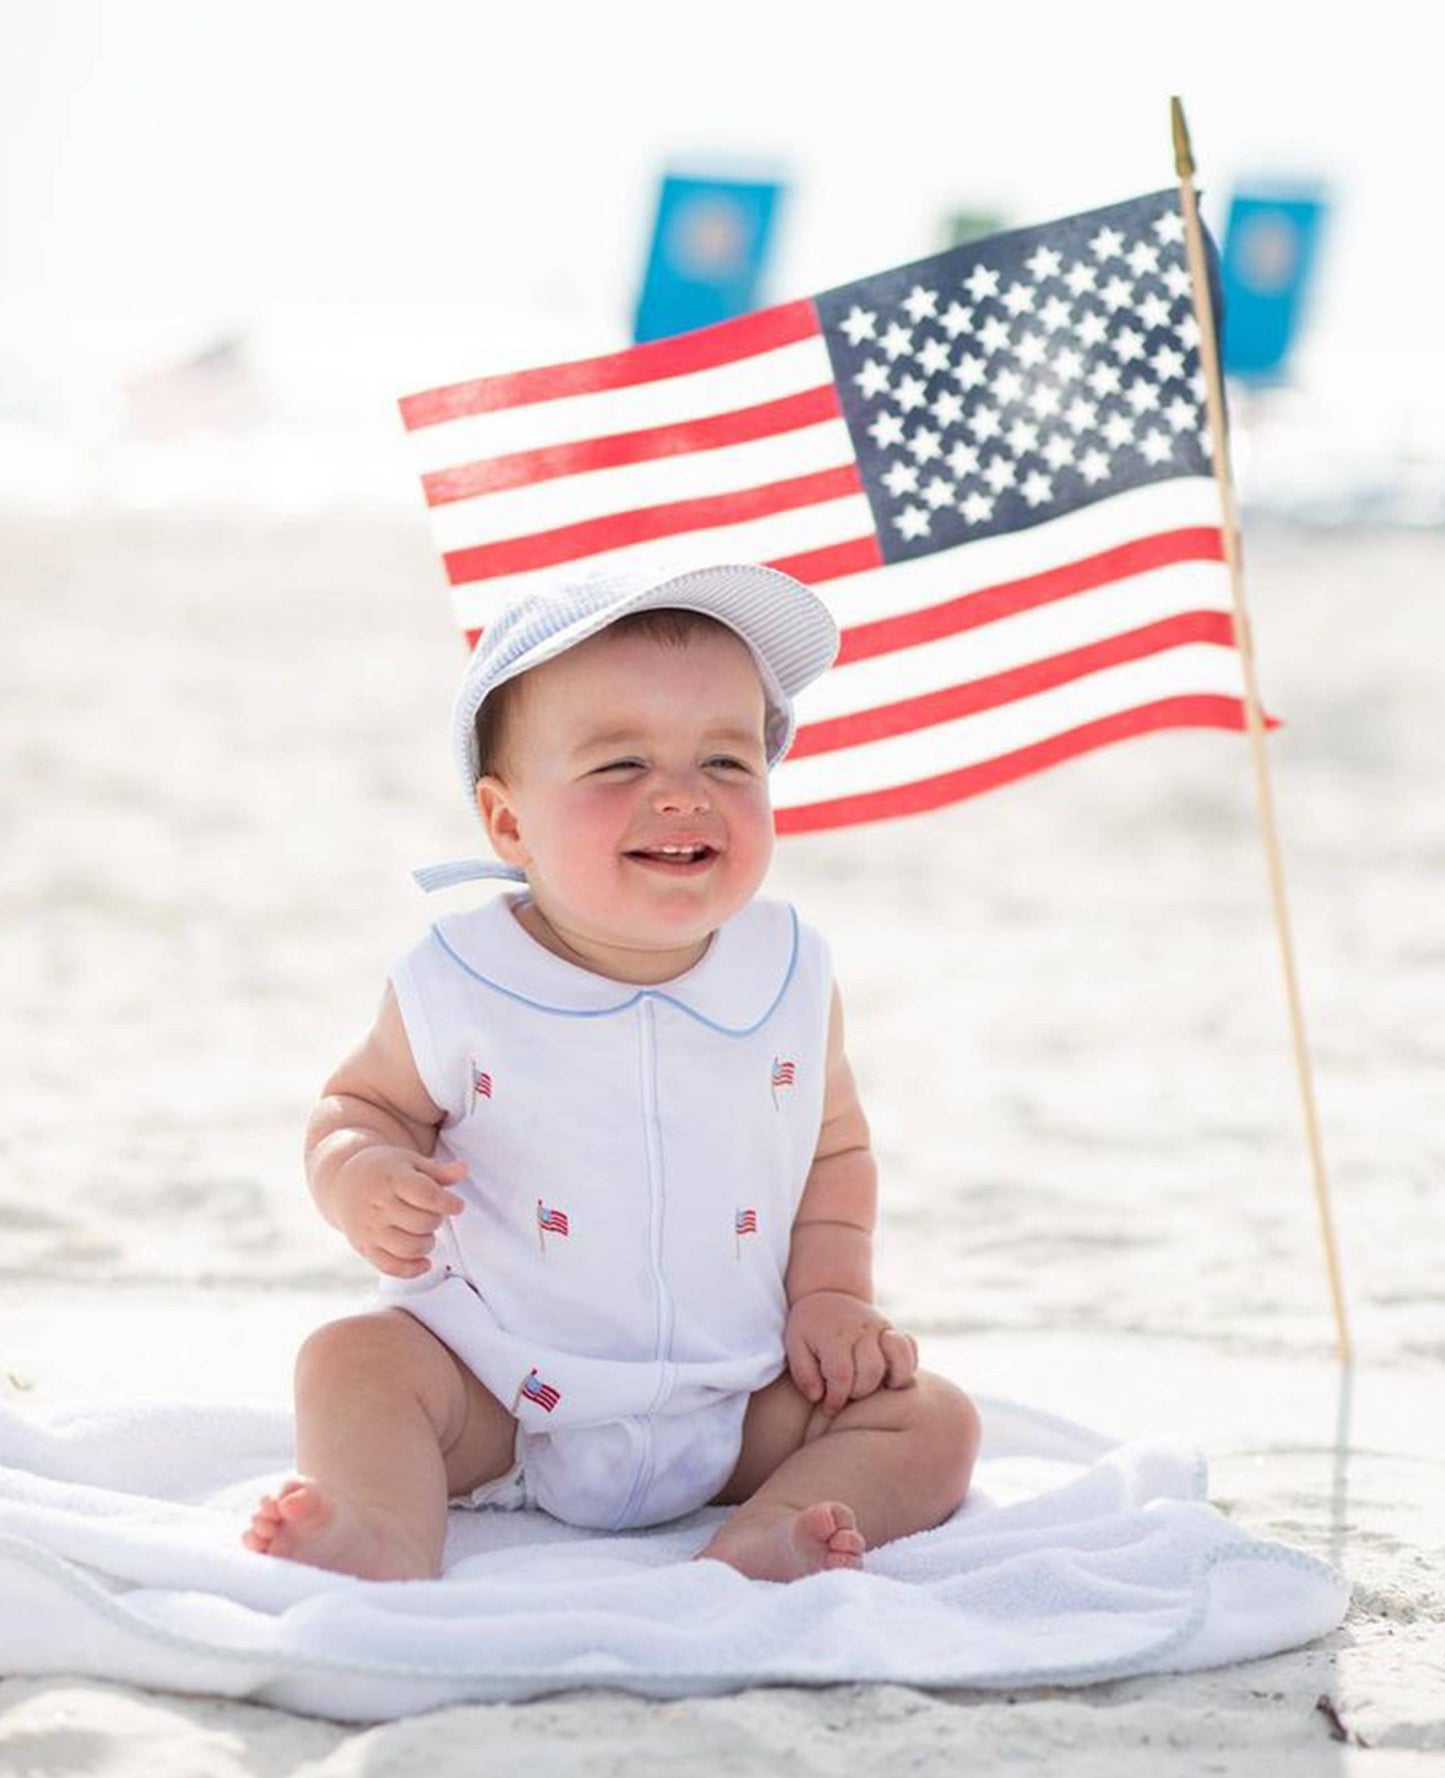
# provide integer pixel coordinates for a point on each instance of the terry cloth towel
(1075, 1559)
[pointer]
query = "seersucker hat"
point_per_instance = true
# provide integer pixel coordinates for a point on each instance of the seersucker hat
(787, 628)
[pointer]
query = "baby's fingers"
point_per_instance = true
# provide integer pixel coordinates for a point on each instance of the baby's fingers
(900, 1352)
(869, 1365)
(804, 1370)
(837, 1365)
(422, 1193)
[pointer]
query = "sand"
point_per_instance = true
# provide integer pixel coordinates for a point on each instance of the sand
(225, 746)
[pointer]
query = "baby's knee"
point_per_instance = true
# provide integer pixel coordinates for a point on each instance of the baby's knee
(372, 1345)
(947, 1431)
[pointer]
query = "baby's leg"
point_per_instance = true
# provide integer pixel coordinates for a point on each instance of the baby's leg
(389, 1425)
(816, 1492)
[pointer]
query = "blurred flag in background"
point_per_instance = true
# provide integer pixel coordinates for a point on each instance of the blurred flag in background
(710, 242)
(1271, 244)
(993, 464)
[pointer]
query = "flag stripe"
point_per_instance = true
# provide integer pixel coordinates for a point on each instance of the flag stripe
(1198, 711)
(771, 376)
(522, 468)
(815, 566)
(1020, 682)
(628, 487)
(568, 543)
(990, 604)
(703, 350)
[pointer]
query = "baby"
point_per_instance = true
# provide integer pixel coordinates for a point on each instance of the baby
(603, 1142)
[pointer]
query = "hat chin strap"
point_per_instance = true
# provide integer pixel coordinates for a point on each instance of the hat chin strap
(465, 870)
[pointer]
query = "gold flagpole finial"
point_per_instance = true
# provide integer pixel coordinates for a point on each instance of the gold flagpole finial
(1183, 154)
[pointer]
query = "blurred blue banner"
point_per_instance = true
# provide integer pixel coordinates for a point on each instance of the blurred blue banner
(709, 246)
(1270, 247)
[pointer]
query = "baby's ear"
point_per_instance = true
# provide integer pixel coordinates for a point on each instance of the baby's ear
(500, 820)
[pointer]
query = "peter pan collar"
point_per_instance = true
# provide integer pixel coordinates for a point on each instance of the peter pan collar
(733, 987)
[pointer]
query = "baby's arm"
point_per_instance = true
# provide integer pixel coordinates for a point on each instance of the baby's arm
(369, 1145)
(840, 1348)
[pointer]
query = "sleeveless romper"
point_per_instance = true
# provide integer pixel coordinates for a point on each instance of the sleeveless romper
(635, 1157)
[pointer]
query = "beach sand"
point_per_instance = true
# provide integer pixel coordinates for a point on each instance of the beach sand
(225, 745)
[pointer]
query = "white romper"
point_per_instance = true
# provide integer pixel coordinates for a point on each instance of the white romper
(635, 1157)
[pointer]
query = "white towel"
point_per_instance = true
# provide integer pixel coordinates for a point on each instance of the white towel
(1075, 1559)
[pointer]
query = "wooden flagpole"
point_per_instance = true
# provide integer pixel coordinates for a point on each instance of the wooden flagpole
(1209, 357)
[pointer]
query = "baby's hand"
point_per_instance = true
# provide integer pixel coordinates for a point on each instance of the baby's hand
(841, 1349)
(390, 1202)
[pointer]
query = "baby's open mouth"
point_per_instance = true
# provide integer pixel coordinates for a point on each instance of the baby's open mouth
(674, 857)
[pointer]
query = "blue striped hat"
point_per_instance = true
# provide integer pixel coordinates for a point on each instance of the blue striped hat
(787, 628)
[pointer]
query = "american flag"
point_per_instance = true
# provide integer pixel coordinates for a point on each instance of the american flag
(542, 1393)
(553, 1221)
(481, 1084)
(745, 1222)
(783, 1073)
(993, 465)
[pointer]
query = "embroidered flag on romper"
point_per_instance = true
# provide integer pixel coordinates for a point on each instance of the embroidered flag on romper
(993, 465)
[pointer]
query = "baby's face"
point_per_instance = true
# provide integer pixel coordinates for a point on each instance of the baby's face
(635, 796)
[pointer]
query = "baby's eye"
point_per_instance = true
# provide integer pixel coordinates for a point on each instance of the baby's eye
(727, 762)
(619, 765)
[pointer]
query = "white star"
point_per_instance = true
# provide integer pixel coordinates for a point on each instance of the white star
(1153, 311)
(1018, 299)
(1043, 263)
(932, 357)
(897, 341)
(977, 509)
(1187, 333)
(912, 522)
(1169, 228)
(983, 423)
(1094, 467)
(1142, 258)
(993, 335)
(1117, 294)
(1128, 345)
(901, 478)
(1022, 437)
(1055, 314)
(920, 304)
(1067, 364)
(1081, 278)
(1082, 414)
(970, 372)
(1103, 379)
(923, 444)
(1031, 351)
(1044, 401)
(1058, 450)
(1181, 416)
(911, 392)
(1118, 429)
(1107, 244)
(858, 324)
(938, 493)
(1156, 447)
(1142, 397)
(1167, 364)
(1037, 489)
(963, 460)
(958, 320)
(872, 379)
(1007, 386)
(946, 408)
(1093, 330)
(999, 473)
(1176, 280)
(981, 282)
(886, 430)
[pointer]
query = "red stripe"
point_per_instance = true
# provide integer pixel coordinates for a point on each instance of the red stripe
(929, 708)
(705, 349)
(1200, 711)
(813, 566)
(522, 468)
(1201, 543)
(545, 549)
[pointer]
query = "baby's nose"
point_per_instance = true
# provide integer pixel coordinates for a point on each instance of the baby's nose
(680, 794)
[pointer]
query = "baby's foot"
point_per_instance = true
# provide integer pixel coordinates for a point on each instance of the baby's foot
(782, 1543)
(303, 1523)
